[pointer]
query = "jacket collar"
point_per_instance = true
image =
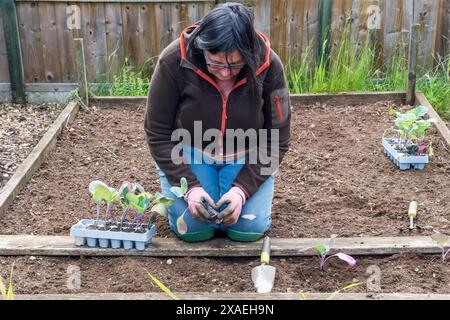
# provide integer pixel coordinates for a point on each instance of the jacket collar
(193, 61)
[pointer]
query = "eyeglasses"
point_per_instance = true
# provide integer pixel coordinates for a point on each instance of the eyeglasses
(220, 66)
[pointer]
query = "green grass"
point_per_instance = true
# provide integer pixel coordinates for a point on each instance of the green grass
(351, 68)
(129, 81)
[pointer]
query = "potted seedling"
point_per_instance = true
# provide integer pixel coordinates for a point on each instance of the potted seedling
(108, 232)
(408, 149)
(323, 251)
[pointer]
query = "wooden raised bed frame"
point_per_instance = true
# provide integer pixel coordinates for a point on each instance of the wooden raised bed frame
(13, 245)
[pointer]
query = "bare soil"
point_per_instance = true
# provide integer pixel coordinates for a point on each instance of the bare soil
(409, 273)
(21, 127)
(335, 179)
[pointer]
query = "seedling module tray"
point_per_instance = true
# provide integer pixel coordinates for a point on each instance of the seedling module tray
(106, 239)
(403, 162)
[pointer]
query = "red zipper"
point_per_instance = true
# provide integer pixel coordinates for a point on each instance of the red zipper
(224, 100)
(280, 112)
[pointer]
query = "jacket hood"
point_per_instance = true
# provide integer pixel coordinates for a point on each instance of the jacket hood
(191, 60)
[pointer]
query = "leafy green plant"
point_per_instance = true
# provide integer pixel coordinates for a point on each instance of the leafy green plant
(7, 294)
(323, 253)
(412, 129)
(441, 240)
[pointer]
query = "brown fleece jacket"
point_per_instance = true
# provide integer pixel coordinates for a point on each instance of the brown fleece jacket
(183, 91)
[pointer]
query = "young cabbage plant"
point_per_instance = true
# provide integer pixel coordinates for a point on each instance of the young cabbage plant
(441, 240)
(124, 190)
(140, 204)
(323, 251)
(101, 192)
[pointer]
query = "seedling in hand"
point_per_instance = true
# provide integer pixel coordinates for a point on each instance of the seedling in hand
(323, 251)
(441, 240)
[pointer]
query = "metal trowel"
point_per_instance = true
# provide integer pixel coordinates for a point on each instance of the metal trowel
(263, 276)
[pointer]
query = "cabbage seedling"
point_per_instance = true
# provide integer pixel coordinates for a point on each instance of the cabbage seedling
(441, 239)
(140, 204)
(124, 190)
(101, 192)
(323, 250)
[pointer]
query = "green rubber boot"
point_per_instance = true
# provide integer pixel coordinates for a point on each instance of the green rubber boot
(197, 236)
(244, 236)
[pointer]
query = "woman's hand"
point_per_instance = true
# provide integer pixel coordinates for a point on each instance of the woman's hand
(235, 198)
(194, 199)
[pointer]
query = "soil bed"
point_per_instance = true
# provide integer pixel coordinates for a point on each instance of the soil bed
(409, 273)
(334, 180)
(21, 127)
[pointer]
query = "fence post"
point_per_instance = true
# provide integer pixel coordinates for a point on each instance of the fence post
(81, 71)
(13, 50)
(412, 65)
(325, 12)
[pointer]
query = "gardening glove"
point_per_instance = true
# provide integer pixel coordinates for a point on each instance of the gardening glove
(235, 198)
(194, 198)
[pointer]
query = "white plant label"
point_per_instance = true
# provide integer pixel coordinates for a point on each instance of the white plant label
(74, 278)
(374, 281)
(74, 17)
(373, 17)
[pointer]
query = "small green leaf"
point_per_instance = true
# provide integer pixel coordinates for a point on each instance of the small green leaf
(321, 248)
(181, 225)
(99, 190)
(183, 185)
(392, 112)
(440, 238)
(177, 192)
(159, 208)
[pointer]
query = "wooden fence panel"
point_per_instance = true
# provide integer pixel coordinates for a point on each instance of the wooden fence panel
(114, 38)
(4, 73)
(31, 42)
(49, 38)
(66, 50)
(139, 31)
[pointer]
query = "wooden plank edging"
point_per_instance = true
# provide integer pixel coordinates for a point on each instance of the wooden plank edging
(350, 98)
(233, 296)
(440, 125)
(38, 155)
(23, 245)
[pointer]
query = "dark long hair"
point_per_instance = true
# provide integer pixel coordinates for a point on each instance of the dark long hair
(229, 27)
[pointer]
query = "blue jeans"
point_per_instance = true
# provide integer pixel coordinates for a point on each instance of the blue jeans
(216, 179)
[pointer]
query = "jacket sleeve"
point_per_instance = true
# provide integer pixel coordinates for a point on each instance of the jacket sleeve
(277, 113)
(162, 105)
